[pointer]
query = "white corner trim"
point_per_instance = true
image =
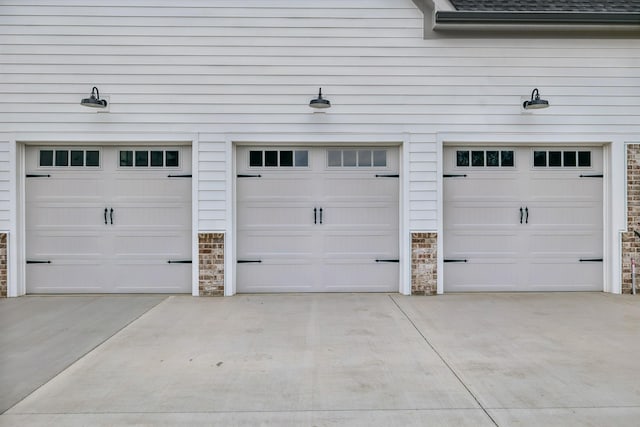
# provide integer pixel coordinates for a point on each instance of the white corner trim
(230, 225)
(195, 211)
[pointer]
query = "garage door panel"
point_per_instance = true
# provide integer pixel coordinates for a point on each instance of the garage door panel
(479, 188)
(350, 187)
(288, 275)
(55, 278)
(292, 187)
(271, 214)
(133, 276)
(158, 215)
(316, 229)
(564, 188)
(60, 215)
(263, 243)
(80, 245)
(565, 242)
(479, 275)
(370, 216)
(361, 245)
(341, 277)
(146, 223)
(79, 188)
(476, 214)
(152, 243)
(553, 218)
(585, 216)
(553, 274)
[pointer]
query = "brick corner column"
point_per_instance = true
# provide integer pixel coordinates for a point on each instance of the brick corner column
(630, 242)
(3, 265)
(424, 263)
(211, 264)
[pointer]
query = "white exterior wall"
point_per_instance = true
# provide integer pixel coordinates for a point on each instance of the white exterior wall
(218, 69)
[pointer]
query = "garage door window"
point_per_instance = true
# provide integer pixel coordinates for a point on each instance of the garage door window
(356, 158)
(558, 159)
(149, 158)
(484, 158)
(279, 158)
(69, 158)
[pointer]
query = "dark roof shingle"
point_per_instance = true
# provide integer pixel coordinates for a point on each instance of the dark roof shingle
(597, 6)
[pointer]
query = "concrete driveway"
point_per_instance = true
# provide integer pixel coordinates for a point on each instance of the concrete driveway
(353, 360)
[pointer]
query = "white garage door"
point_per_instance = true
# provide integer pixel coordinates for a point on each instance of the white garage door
(108, 219)
(523, 219)
(317, 219)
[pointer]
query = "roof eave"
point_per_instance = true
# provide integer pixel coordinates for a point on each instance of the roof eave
(454, 18)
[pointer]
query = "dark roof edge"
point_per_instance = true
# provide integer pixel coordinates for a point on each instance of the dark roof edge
(536, 18)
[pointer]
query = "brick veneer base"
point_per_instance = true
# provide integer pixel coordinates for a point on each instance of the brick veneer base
(211, 264)
(631, 243)
(424, 263)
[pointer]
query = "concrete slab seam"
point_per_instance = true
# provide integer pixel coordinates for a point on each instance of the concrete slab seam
(444, 361)
(82, 356)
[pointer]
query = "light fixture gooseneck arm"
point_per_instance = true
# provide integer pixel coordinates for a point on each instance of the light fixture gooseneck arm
(537, 94)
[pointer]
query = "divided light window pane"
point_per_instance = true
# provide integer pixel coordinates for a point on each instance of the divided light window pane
(540, 158)
(172, 159)
(286, 158)
(302, 158)
(255, 159)
(77, 158)
(92, 158)
(46, 157)
(157, 158)
(126, 158)
(462, 158)
(493, 159)
(477, 158)
(271, 158)
(380, 158)
(364, 158)
(349, 158)
(335, 158)
(555, 158)
(142, 158)
(569, 158)
(62, 158)
(507, 158)
(584, 158)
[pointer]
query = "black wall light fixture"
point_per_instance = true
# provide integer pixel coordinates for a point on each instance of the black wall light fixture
(535, 103)
(94, 100)
(320, 102)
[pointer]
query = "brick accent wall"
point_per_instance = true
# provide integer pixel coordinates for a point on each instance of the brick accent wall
(3, 265)
(631, 243)
(211, 264)
(424, 263)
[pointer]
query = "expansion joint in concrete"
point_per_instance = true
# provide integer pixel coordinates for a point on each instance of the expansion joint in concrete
(453, 371)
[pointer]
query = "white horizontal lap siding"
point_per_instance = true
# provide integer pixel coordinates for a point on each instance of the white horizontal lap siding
(212, 184)
(6, 168)
(423, 167)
